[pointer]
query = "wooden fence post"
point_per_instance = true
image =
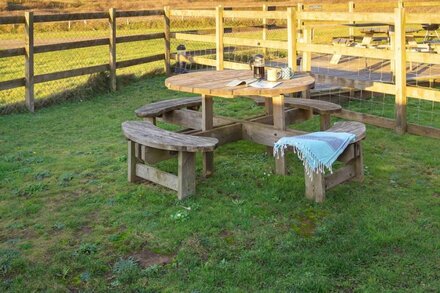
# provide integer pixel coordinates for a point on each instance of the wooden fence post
(307, 56)
(29, 60)
(291, 38)
(300, 26)
(351, 7)
(112, 47)
(400, 69)
(219, 32)
(264, 34)
(167, 38)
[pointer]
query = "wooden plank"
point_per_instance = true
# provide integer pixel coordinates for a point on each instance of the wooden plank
(420, 93)
(207, 124)
(70, 73)
(140, 37)
(141, 60)
(255, 14)
(366, 118)
(324, 121)
(191, 119)
(70, 16)
(137, 13)
(428, 58)
(219, 34)
(186, 174)
(423, 130)
(314, 186)
(147, 134)
(265, 134)
(255, 43)
(351, 8)
(291, 38)
(279, 122)
(13, 83)
(70, 45)
(225, 134)
(193, 37)
(264, 31)
(340, 176)
(347, 17)
(112, 48)
(12, 52)
(307, 56)
(192, 13)
(167, 40)
(157, 176)
(421, 18)
(131, 161)
(19, 19)
(153, 156)
(29, 61)
(347, 51)
(372, 86)
(158, 108)
(400, 70)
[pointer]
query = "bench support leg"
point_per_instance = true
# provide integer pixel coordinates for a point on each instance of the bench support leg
(152, 120)
(186, 174)
(132, 160)
(207, 124)
(315, 186)
(279, 122)
(325, 121)
(358, 162)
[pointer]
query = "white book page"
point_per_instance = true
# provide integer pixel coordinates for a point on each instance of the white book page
(263, 84)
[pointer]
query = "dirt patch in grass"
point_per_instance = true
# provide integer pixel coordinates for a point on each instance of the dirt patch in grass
(147, 258)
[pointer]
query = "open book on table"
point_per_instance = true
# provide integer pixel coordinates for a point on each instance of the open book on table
(257, 83)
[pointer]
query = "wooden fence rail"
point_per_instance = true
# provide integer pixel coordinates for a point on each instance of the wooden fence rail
(30, 49)
(300, 24)
(398, 55)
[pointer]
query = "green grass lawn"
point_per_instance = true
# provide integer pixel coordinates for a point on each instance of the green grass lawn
(69, 220)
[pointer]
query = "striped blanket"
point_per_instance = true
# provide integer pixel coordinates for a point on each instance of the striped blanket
(317, 150)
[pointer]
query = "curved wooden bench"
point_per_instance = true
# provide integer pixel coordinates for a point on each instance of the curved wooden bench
(158, 142)
(352, 159)
(322, 108)
(157, 109)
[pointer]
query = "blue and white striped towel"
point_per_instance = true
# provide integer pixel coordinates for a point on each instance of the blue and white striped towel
(317, 150)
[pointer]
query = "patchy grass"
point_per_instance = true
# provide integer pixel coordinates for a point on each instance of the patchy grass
(69, 220)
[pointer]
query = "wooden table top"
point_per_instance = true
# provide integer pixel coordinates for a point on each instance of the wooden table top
(213, 83)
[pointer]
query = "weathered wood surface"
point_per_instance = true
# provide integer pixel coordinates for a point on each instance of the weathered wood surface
(353, 127)
(317, 106)
(147, 134)
(159, 108)
(214, 83)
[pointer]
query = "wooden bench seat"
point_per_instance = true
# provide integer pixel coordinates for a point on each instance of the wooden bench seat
(322, 108)
(156, 143)
(151, 111)
(352, 159)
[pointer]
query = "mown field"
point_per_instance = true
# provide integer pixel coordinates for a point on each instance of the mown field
(70, 221)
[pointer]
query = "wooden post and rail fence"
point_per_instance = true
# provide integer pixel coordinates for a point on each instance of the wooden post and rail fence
(300, 24)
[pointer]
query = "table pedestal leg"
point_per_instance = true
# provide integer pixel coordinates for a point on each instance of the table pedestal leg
(268, 105)
(279, 122)
(207, 123)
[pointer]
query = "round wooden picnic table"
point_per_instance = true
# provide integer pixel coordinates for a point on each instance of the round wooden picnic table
(214, 83)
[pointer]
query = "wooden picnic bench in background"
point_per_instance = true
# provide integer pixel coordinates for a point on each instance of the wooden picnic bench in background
(310, 107)
(154, 110)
